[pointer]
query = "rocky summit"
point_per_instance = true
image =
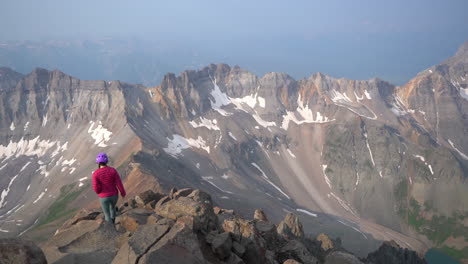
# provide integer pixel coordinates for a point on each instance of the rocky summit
(363, 161)
(185, 228)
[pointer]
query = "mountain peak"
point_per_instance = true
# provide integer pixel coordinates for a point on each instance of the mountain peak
(463, 50)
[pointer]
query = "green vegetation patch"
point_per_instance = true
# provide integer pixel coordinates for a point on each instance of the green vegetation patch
(439, 228)
(59, 208)
(455, 253)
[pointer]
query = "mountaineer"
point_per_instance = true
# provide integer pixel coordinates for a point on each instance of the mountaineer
(106, 181)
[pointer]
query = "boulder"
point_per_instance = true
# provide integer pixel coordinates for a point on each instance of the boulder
(172, 192)
(291, 227)
(140, 242)
(291, 261)
(260, 215)
(179, 245)
(146, 197)
(221, 245)
(296, 250)
(326, 242)
(82, 215)
(182, 193)
(238, 249)
(234, 259)
(133, 218)
(198, 206)
(13, 250)
(338, 257)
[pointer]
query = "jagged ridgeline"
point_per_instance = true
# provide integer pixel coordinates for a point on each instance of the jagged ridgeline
(361, 160)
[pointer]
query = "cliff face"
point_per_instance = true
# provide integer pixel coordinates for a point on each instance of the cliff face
(352, 158)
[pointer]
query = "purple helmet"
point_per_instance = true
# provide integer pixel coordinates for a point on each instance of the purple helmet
(102, 158)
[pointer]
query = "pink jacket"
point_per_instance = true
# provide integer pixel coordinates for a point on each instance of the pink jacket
(106, 180)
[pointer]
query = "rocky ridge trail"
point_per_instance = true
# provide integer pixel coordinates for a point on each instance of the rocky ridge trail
(185, 227)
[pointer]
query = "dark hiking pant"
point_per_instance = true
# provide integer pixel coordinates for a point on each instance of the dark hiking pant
(108, 207)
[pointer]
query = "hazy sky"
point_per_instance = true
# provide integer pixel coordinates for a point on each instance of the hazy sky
(348, 38)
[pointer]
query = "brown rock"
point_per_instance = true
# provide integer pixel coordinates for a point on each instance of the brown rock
(20, 251)
(172, 192)
(183, 193)
(179, 245)
(200, 209)
(221, 245)
(81, 216)
(217, 210)
(327, 243)
(291, 261)
(162, 201)
(290, 227)
(146, 197)
(139, 243)
(260, 215)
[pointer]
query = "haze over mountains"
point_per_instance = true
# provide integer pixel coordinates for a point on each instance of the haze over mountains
(363, 160)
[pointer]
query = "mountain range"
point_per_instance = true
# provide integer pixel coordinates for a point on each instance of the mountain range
(361, 160)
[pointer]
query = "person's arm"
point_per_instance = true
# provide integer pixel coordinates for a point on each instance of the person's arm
(119, 184)
(96, 184)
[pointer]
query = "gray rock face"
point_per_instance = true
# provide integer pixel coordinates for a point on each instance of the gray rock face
(291, 227)
(20, 251)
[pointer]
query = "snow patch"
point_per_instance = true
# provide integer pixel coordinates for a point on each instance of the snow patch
(69, 162)
(367, 94)
(44, 121)
(338, 97)
(40, 196)
(306, 115)
(463, 155)
(306, 212)
(28, 147)
(6, 191)
(268, 180)
(327, 180)
(220, 99)
(179, 143)
(210, 124)
(25, 165)
(26, 126)
(232, 136)
(368, 147)
(12, 126)
(262, 122)
(209, 178)
(291, 153)
(100, 134)
(425, 163)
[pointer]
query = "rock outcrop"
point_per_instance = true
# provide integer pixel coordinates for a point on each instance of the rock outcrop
(17, 251)
(183, 228)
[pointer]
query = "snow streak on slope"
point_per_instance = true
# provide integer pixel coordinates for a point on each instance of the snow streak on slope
(29, 147)
(220, 99)
(6, 191)
(210, 124)
(268, 180)
(425, 163)
(306, 212)
(179, 143)
(457, 150)
(305, 114)
(100, 134)
(209, 180)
